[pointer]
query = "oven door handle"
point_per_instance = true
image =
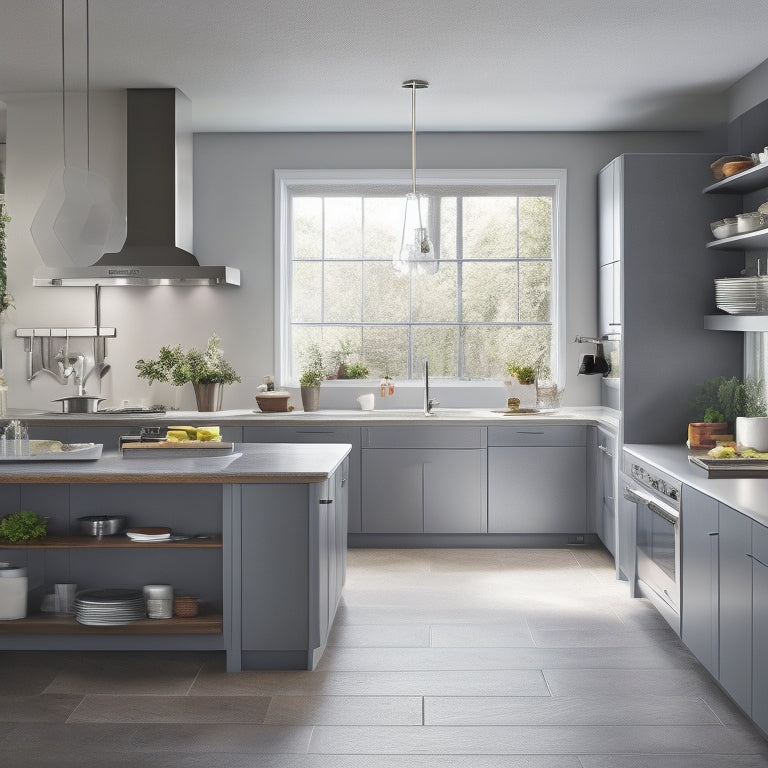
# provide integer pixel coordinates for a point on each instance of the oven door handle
(664, 512)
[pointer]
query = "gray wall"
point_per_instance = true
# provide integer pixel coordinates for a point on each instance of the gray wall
(234, 225)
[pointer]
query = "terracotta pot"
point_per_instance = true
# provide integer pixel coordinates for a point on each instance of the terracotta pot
(704, 434)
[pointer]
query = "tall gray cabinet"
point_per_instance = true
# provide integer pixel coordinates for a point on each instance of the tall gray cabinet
(656, 287)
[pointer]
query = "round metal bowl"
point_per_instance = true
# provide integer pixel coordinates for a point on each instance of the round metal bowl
(79, 403)
(101, 525)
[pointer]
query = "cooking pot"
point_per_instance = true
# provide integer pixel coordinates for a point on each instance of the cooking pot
(79, 403)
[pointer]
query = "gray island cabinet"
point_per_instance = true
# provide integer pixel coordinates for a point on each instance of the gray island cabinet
(268, 571)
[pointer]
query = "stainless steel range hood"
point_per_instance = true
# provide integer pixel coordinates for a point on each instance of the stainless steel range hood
(159, 195)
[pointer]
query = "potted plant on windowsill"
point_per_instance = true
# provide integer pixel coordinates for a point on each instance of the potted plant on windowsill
(206, 370)
(522, 384)
(311, 378)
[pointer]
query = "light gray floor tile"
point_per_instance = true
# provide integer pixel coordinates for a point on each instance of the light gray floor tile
(170, 709)
(624, 637)
(257, 739)
(379, 636)
(449, 659)
(717, 760)
(651, 682)
(498, 740)
(481, 635)
(345, 710)
(525, 682)
(37, 709)
(625, 709)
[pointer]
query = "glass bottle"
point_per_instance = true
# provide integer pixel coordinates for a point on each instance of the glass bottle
(3, 396)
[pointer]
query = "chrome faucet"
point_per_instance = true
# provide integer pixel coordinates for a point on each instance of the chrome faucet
(429, 403)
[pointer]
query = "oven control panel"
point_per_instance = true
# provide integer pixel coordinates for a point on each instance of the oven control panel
(654, 480)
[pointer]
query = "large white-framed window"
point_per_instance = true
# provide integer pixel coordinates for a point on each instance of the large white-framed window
(497, 297)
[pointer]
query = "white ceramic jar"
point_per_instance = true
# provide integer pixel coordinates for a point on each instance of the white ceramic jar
(13, 592)
(752, 432)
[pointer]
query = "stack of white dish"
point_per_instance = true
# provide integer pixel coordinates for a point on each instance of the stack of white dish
(742, 295)
(154, 533)
(109, 607)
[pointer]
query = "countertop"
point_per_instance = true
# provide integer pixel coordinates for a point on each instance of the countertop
(481, 416)
(249, 463)
(747, 495)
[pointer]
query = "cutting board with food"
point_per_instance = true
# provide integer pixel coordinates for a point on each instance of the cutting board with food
(181, 441)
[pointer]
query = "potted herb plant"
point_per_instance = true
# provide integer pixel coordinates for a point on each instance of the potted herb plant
(718, 406)
(23, 526)
(206, 370)
(522, 384)
(311, 378)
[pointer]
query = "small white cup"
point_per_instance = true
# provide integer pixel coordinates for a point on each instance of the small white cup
(367, 401)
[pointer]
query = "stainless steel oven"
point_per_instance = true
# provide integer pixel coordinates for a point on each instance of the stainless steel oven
(656, 497)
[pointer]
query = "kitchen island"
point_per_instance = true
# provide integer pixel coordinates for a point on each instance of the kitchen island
(265, 553)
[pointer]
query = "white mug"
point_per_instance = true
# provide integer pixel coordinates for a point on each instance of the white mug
(367, 401)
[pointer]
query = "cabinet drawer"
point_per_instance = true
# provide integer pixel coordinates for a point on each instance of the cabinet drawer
(436, 436)
(537, 434)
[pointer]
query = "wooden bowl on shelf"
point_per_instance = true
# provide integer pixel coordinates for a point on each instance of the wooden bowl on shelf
(737, 166)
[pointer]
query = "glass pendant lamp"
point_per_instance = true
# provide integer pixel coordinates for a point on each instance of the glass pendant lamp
(416, 251)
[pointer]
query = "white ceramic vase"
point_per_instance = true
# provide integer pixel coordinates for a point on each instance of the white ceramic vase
(752, 432)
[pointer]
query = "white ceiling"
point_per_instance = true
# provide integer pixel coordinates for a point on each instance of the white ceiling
(337, 65)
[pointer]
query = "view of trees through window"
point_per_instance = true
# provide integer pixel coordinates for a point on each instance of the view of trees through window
(489, 304)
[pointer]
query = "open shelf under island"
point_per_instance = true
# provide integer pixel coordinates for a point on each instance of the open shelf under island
(269, 576)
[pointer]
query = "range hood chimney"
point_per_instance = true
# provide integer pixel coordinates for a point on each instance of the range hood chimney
(159, 195)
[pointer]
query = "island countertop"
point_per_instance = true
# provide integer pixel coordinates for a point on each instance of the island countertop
(249, 463)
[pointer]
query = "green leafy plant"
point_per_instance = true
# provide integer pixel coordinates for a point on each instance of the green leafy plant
(178, 366)
(722, 399)
(357, 371)
(23, 526)
(525, 374)
(6, 300)
(314, 369)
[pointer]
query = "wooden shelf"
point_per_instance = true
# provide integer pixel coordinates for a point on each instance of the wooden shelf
(111, 542)
(51, 624)
(747, 181)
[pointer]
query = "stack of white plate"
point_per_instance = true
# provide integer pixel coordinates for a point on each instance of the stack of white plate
(153, 533)
(742, 295)
(109, 607)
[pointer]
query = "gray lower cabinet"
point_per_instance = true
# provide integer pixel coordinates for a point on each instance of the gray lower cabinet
(319, 434)
(537, 479)
(700, 592)
(760, 625)
(292, 560)
(735, 624)
(605, 481)
(413, 485)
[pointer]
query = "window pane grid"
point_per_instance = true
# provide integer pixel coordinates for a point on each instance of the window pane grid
(353, 298)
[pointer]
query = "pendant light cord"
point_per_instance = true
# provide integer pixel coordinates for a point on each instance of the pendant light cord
(87, 87)
(413, 138)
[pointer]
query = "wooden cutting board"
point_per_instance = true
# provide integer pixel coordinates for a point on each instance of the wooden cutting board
(184, 448)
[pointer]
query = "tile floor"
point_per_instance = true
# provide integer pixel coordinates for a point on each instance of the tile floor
(438, 659)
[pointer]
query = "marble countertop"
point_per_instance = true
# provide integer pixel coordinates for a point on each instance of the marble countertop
(249, 463)
(481, 416)
(747, 495)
